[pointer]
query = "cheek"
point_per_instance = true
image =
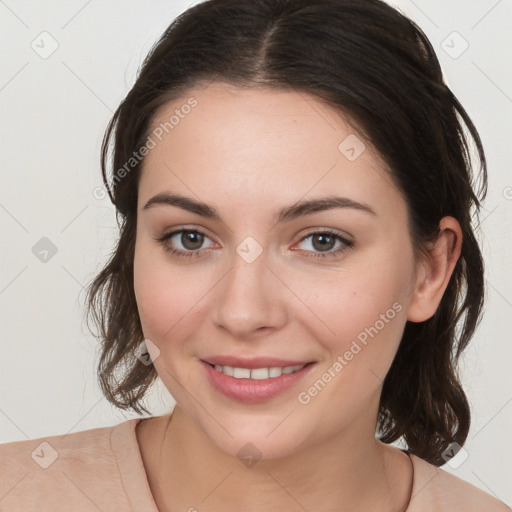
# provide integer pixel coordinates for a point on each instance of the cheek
(367, 331)
(151, 293)
(363, 335)
(358, 313)
(342, 306)
(169, 298)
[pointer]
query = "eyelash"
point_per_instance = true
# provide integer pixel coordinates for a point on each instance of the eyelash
(347, 244)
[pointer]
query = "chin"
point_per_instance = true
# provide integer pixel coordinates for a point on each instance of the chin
(253, 437)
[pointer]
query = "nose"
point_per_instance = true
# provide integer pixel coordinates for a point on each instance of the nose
(250, 299)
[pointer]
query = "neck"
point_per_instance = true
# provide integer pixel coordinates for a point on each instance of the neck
(351, 471)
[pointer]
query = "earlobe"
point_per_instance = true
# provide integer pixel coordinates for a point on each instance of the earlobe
(436, 271)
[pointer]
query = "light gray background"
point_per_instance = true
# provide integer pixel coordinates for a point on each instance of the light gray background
(53, 114)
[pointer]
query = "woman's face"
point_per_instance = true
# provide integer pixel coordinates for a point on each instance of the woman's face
(255, 283)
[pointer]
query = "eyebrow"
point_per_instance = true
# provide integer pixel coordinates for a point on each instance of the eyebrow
(286, 214)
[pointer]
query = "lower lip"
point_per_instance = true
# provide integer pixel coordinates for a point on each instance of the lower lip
(253, 390)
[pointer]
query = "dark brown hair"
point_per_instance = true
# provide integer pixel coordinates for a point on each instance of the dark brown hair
(368, 61)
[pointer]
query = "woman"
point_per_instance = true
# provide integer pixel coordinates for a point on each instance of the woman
(297, 259)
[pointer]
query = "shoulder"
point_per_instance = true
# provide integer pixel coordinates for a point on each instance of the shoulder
(62, 471)
(436, 489)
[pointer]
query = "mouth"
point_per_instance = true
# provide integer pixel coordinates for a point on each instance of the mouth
(253, 382)
(264, 373)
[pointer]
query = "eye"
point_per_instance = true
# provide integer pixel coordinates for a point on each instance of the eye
(190, 239)
(325, 242)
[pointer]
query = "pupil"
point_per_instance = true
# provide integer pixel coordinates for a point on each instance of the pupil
(322, 245)
(191, 240)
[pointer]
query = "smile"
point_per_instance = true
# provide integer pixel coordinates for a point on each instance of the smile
(255, 385)
(258, 373)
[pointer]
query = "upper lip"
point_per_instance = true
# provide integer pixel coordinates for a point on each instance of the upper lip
(252, 362)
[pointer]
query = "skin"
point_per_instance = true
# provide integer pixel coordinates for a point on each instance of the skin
(249, 153)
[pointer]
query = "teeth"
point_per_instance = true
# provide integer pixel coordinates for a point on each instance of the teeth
(275, 372)
(258, 373)
(241, 373)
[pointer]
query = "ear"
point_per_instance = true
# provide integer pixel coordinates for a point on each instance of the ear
(435, 271)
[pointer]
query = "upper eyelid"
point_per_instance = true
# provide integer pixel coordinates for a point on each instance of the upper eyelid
(173, 232)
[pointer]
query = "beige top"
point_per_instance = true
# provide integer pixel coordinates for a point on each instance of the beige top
(102, 470)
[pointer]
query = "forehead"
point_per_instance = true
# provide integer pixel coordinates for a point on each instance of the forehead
(260, 144)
